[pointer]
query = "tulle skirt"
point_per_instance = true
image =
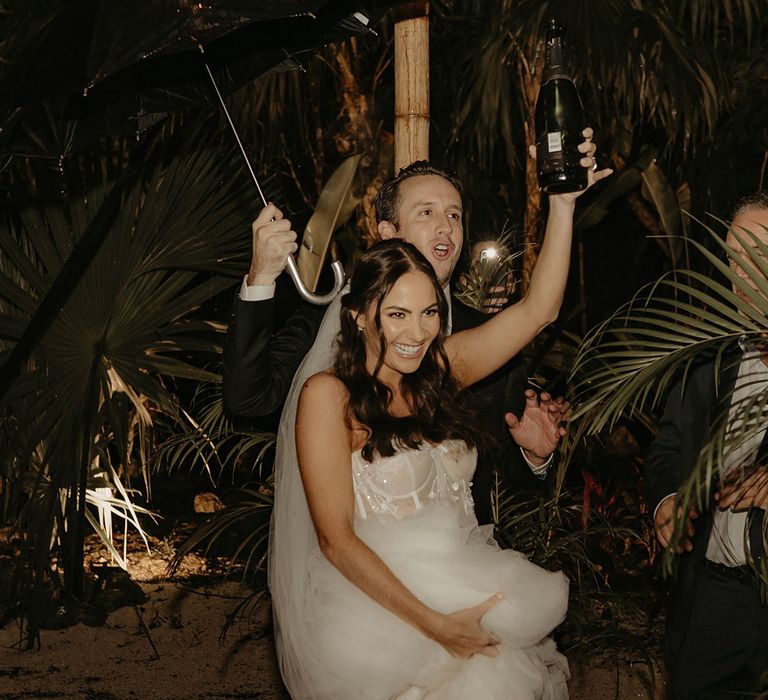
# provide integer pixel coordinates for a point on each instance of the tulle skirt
(363, 652)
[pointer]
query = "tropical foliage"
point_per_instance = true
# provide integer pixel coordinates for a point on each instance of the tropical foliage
(82, 410)
(627, 364)
(489, 274)
(663, 83)
(207, 439)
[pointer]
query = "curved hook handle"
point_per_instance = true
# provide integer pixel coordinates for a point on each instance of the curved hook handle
(338, 275)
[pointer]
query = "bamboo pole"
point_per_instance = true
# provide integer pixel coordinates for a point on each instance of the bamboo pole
(411, 84)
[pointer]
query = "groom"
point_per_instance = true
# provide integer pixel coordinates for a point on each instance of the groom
(423, 206)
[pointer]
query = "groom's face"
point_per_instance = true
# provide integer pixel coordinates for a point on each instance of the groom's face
(429, 216)
(751, 227)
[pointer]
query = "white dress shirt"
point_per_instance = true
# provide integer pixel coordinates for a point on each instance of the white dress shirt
(729, 540)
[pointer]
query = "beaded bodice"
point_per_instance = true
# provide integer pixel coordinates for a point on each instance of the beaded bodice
(409, 480)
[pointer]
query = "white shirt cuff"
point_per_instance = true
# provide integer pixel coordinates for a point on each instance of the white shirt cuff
(539, 470)
(256, 292)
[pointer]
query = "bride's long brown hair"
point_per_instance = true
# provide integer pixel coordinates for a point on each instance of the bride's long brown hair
(437, 413)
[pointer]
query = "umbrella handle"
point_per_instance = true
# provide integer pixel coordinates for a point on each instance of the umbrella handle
(338, 275)
(338, 270)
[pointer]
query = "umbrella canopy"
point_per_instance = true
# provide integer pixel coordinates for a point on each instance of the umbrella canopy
(128, 32)
(106, 67)
(135, 61)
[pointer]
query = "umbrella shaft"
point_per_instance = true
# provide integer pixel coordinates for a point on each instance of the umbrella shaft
(232, 126)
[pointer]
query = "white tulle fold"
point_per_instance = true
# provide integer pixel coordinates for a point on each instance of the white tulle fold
(363, 652)
(292, 539)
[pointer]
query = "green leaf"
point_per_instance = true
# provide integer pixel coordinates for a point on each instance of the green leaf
(657, 191)
(334, 206)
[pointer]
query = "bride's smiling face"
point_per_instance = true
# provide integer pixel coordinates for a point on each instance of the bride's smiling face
(410, 321)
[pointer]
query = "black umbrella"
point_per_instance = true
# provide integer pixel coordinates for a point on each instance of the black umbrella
(118, 66)
(163, 46)
(146, 59)
(67, 86)
(79, 79)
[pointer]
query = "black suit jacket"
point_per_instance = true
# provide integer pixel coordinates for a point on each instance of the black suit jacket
(692, 412)
(260, 363)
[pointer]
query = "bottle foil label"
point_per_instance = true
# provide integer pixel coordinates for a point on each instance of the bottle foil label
(554, 142)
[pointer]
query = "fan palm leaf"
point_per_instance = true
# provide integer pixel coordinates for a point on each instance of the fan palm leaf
(134, 317)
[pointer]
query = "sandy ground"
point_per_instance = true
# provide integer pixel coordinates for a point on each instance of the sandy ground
(168, 643)
(178, 654)
(171, 647)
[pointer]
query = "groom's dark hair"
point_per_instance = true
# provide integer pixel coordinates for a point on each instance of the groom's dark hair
(387, 197)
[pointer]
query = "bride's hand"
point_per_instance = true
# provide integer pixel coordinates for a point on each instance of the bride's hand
(462, 635)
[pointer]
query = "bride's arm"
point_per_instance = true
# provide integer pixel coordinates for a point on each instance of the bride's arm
(323, 443)
(477, 352)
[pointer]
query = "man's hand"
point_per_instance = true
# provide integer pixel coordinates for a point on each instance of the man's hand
(273, 241)
(746, 489)
(664, 524)
(541, 426)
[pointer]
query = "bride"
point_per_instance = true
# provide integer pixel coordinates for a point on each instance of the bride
(383, 585)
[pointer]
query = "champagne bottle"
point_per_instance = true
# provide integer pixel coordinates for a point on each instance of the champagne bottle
(559, 121)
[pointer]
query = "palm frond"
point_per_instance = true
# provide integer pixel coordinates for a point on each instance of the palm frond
(96, 375)
(207, 440)
(661, 67)
(474, 287)
(630, 360)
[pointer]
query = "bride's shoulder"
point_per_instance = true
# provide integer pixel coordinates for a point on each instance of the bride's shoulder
(324, 398)
(324, 385)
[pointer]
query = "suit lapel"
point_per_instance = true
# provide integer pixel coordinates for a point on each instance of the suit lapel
(757, 515)
(464, 317)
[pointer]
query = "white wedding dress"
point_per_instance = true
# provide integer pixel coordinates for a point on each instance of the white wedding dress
(415, 511)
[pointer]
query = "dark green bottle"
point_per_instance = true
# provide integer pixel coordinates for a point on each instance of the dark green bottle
(559, 121)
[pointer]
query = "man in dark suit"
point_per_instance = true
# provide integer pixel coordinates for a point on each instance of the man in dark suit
(422, 205)
(717, 627)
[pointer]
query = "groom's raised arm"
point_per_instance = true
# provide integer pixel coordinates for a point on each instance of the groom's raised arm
(260, 362)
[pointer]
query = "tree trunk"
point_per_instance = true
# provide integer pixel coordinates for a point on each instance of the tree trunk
(529, 73)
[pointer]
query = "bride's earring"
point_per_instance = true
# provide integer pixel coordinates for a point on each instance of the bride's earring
(359, 319)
